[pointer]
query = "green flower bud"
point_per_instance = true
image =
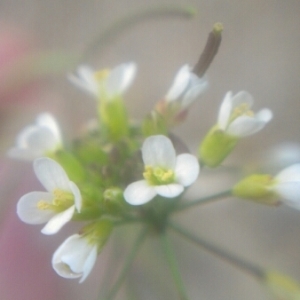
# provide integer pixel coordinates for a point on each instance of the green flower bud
(215, 147)
(113, 200)
(256, 187)
(114, 117)
(282, 287)
(154, 124)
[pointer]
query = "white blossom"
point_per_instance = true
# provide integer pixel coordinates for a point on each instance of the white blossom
(54, 207)
(287, 186)
(75, 257)
(37, 140)
(236, 118)
(113, 82)
(165, 173)
(186, 87)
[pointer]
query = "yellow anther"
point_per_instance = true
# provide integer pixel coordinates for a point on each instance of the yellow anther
(101, 75)
(241, 110)
(43, 205)
(158, 176)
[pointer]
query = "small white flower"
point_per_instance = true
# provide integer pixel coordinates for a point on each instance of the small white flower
(186, 87)
(54, 207)
(236, 118)
(37, 140)
(75, 257)
(112, 82)
(287, 186)
(165, 173)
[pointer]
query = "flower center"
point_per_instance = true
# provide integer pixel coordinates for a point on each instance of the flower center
(241, 110)
(60, 202)
(101, 75)
(158, 175)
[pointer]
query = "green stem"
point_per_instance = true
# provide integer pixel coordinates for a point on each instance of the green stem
(127, 264)
(203, 200)
(171, 259)
(118, 27)
(246, 266)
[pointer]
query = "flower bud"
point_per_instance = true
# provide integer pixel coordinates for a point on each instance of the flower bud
(257, 188)
(281, 286)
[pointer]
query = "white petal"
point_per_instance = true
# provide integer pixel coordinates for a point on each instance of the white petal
(180, 83)
(85, 80)
(77, 195)
(24, 154)
(47, 120)
(290, 174)
(37, 139)
(120, 79)
(89, 264)
(244, 126)
(264, 115)
(290, 192)
(225, 111)
(43, 139)
(197, 87)
(28, 211)
(51, 174)
(58, 221)
(139, 192)
(158, 151)
(241, 98)
(68, 260)
(187, 169)
(169, 190)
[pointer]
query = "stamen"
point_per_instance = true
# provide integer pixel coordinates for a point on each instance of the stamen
(43, 205)
(158, 176)
(241, 110)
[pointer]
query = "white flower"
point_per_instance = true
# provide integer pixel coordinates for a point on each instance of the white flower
(75, 257)
(165, 173)
(287, 186)
(37, 140)
(54, 207)
(236, 118)
(113, 82)
(186, 87)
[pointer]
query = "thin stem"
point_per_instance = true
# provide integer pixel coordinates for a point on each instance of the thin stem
(118, 27)
(204, 200)
(246, 266)
(171, 259)
(127, 264)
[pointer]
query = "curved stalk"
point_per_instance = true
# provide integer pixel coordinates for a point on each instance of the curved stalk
(203, 200)
(118, 27)
(246, 266)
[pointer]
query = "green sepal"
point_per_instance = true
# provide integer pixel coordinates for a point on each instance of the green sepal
(70, 164)
(154, 124)
(256, 187)
(88, 150)
(113, 116)
(87, 214)
(98, 232)
(215, 147)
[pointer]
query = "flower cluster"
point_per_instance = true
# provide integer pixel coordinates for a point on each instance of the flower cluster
(97, 179)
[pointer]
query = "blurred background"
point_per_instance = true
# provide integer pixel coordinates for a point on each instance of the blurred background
(259, 53)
